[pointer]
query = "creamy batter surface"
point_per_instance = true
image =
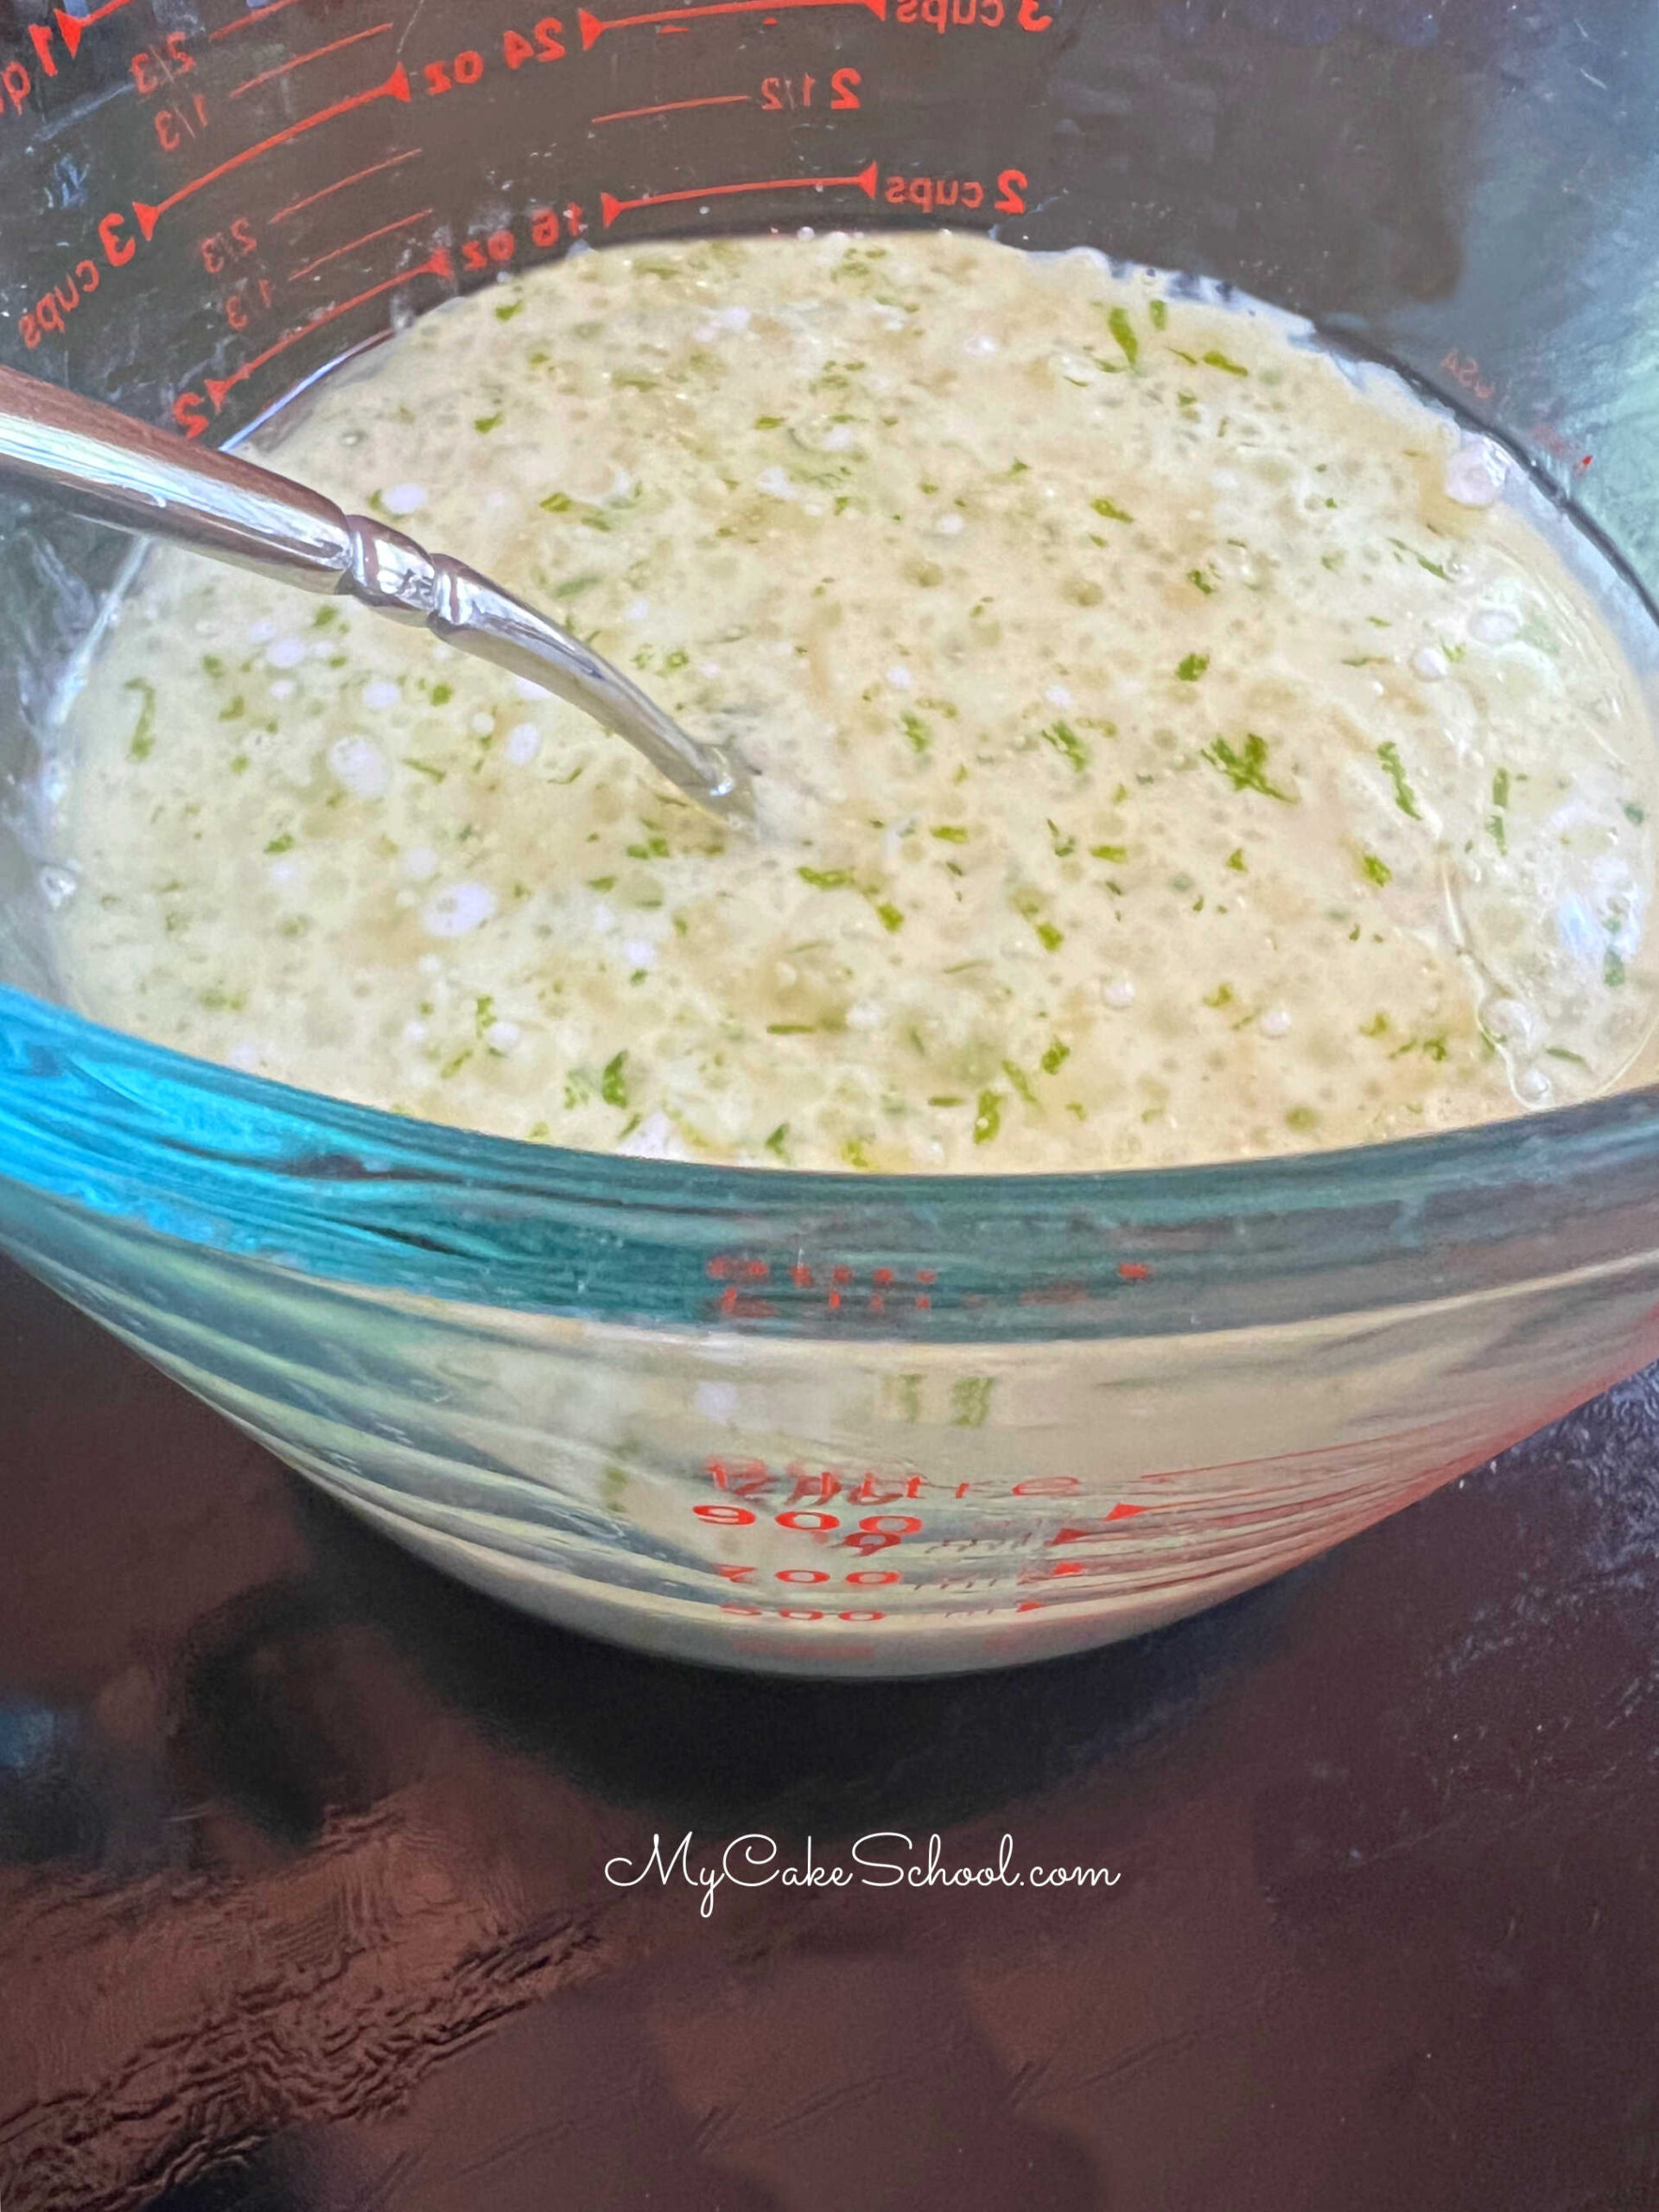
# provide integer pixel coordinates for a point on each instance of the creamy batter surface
(1173, 747)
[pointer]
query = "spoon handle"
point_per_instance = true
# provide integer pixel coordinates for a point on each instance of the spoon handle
(109, 469)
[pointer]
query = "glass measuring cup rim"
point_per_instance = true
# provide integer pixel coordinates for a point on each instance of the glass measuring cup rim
(208, 1156)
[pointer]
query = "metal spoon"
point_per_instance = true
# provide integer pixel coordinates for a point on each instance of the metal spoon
(105, 466)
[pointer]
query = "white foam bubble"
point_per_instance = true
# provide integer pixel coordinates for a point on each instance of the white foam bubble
(1494, 626)
(458, 910)
(360, 765)
(1476, 473)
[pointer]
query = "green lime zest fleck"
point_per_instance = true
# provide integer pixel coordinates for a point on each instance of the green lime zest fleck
(1376, 1026)
(1108, 852)
(506, 313)
(1216, 358)
(1053, 938)
(1159, 311)
(142, 743)
(1560, 1052)
(768, 422)
(1221, 996)
(442, 694)
(918, 732)
(1192, 667)
(949, 833)
(1235, 860)
(826, 878)
(1199, 582)
(1246, 771)
(485, 423)
(425, 768)
(1404, 798)
(1109, 508)
(791, 1029)
(1612, 970)
(1376, 868)
(1066, 743)
(970, 1400)
(1501, 787)
(856, 1153)
(613, 1082)
(1436, 1048)
(947, 1098)
(1020, 1080)
(1638, 815)
(211, 665)
(987, 1117)
(282, 844)
(1123, 330)
(778, 1138)
(889, 917)
(1055, 1058)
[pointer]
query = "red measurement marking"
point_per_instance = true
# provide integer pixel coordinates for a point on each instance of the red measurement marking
(438, 264)
(405, 223)
(864, 181)
(1134, 1270)
(72, 29)
(675, 107)
(395, 87)
(266, 76)
(295, 206)
(591, 28)
(253, 16)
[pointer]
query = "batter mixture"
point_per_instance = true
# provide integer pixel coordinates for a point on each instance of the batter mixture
(1171, 747)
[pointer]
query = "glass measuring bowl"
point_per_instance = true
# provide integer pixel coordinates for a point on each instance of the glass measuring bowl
(819, 1423)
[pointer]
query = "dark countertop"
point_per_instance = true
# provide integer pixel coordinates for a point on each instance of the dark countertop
(302, 1901)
